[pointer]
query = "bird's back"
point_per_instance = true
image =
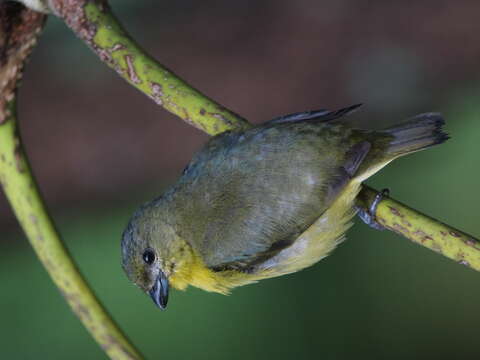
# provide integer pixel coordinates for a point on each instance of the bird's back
(245, 196)
(265, 202)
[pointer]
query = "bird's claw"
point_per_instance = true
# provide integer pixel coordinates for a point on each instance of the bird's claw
(368, 215)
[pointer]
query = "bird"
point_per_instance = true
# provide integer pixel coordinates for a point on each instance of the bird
(263, 202)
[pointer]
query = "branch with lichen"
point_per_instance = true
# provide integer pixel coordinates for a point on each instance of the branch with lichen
(93, 22)
(19, 29)
(423, 230)
(102, 33)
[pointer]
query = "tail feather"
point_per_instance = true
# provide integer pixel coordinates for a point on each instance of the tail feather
(417, 133)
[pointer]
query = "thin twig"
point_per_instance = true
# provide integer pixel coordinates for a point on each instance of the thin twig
(105, 36)
(19, 28)
(94, 23)
(424, 230)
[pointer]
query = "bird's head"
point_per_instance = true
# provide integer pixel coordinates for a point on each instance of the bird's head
(154, 257)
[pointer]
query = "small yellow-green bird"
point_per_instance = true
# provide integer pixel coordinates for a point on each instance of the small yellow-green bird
(262, 202)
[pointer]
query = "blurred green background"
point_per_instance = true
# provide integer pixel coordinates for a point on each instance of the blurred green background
(100, 148)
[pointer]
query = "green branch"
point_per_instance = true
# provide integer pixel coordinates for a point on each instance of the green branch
(424, 230)
(19, 28)
(106, 36)
(93, 22)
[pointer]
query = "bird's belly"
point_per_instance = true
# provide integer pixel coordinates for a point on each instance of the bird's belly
(318, 240)
(313, 245)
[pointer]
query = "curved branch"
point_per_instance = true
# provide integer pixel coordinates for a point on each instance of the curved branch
(104, 35)
(19, 29)
(94, 23)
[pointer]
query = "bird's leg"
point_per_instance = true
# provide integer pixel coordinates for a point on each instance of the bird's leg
(368, 215)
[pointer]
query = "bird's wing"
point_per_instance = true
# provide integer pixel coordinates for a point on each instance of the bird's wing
(246, 196)
(322, 115)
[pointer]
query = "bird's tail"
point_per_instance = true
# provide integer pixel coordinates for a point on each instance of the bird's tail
(417, 133)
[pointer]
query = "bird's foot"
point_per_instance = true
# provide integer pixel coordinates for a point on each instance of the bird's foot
(368, 215)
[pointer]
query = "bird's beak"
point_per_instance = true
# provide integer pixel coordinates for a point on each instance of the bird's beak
(159, 291)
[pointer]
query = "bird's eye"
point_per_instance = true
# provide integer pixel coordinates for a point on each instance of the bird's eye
(148, 256)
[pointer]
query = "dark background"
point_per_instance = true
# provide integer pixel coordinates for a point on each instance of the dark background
(100, 148)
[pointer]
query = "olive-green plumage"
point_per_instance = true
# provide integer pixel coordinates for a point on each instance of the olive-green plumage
(244, 207)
